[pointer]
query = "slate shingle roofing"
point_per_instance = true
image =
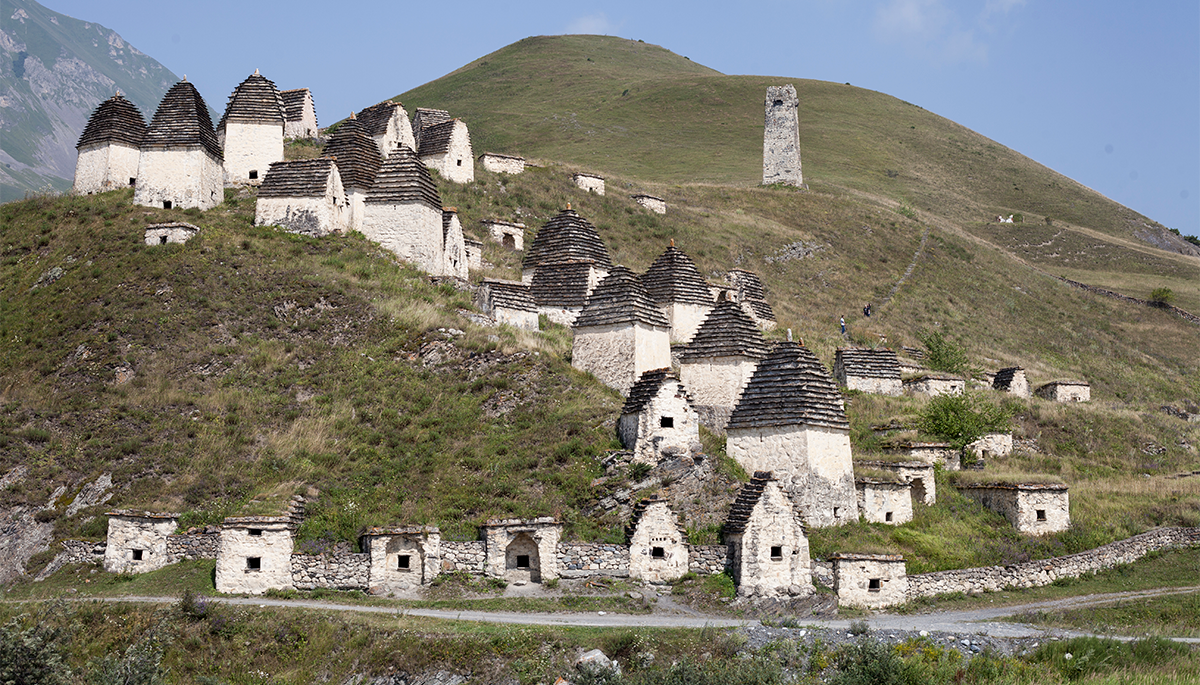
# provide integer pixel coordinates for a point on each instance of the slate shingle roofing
(673, 277)
(293, 103)
(255, 101)
(115, 120)
(648, 386)
(298, 178)
(789, 387)
(562, 284)
(863, 363)
(357, 157)
(1004, 377)
(424, 117)
(748, 284)
(436, 139)
(639, 510)
(376, 117)
(567, 236)
(620, 298)
(726, 332)
(747, 499)
(403, 179)
(510, 295)
(182, 120)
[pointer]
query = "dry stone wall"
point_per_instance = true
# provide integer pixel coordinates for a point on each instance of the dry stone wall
(1046, 571)
(708, 560)
(582, 560)
(467, 556)
(195, 546)
(331, 571)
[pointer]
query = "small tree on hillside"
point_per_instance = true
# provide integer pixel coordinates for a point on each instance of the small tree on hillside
(945, 354)
(1162, 295)
(962, 419)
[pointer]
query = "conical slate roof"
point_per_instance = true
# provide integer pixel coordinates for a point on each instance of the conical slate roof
(562, 284)
(789, 387)
(673, 277)
(864, 363)
(620, 298)
(357, 156)
(567, 236)
(376, 117)
(727, 332)
(648, 386)
(182, 119)
(115, 120)
(747, 283)
(297, 178)
(255, 101)
(747, 499)
(403, 179)
(760, 308)
(424, 117)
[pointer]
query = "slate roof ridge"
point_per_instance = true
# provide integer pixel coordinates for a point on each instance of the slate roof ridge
(562, 283)
(648, 385)
(114, 120)
(436, 139)
(293, 103)
(727, 331)
(748, 498)
(355, 153)
(182, 120)
(254, 101)
(404, 179)
(620, 298)
(566, 236)
(510, 294)
(376, 117)
(673, 277)
(789, 387)
(297, 178)
(868, 363)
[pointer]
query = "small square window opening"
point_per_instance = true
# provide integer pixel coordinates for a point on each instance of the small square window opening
(887, 516)
(253, 175)
(874, 585)
(166, 204)
(256, 532)
(658, 553)
(522, 561)
(777, 553)
(403, 561)
(253, 563)
(1041, 514)
(667, 422)
(137, 555)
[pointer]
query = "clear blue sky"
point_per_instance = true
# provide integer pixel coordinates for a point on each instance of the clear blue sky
(1105, 92)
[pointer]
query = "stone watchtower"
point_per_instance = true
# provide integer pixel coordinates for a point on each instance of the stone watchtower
(781, 139)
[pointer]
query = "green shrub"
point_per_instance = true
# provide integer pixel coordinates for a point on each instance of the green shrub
(859, 627)
(944, 354)
(1162, 295)
(34, 655)
(962, 419)
(1082, 656)
(873, 663)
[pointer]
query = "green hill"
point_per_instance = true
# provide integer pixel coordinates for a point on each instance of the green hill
(248, 363)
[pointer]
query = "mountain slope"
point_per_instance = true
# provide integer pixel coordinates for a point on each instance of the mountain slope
(54, 71)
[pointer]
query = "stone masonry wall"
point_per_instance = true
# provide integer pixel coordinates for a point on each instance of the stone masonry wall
(333, 571)
(781, 137)
(196, 546)
(105, 167)
(1046, 571)
(468, 556)
(581, 560)
(592, 184)
(186, 177)
(708, 560)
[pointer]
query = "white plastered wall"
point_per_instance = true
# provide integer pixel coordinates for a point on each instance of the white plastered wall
(273, 549)
(715, 384)
(105, 166)
(517, 318)
(412, 231)
(591, 184)
(852, 582)
(399, 131)
(184, 176)
(128, 535)
(877, 500)
(813, 462)
(424, 561)
(758, 571)
(644, 434)
(658, 528)
(618, 354)
(1055, 504)
(457, 163)
(685, 319)
(502, 165)
(251, 147)
(454, 250)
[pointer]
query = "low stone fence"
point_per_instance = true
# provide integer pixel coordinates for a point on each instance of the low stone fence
(82, 552)
(195, 546)
(1183, 314)
(1046, 571)
(707, 560)
(332, 571)
(822, 573)
(581, 560)
(468, 556)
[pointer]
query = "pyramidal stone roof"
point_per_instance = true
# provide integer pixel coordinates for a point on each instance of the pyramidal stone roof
(255, 101)
(748, 284)
(864, 363)
(562, 284)
(789, 387)
(648, 386)
(760, 308)
(115, 120)
(747, 499)
(376, 117)
(436, 139)
(297, 178)
(510, 295)
(182, 120)
(567, 236)
(727, 332)
(673, 277)
(620, 298)
(357, 157)
(403, 179)
(293, 103)
(1004, 377)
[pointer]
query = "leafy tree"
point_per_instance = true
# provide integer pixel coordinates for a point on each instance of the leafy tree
(33, 655)
(962, 419)
(944, 354)
(1162, 295)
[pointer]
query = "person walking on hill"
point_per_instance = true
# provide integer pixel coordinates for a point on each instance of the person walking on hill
(843, 322)
(867, 310)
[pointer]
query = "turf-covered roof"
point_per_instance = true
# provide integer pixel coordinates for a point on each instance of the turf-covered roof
(297, 178)
(182, 120)
(404, 179)
(673, 277)
(357, 157)
(254, 101)
(114, 120)
(620, 298)
(727, 332)
(567, 236)
(789, 387)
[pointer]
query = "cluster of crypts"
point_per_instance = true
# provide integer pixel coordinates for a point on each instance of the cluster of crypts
(682, 350)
